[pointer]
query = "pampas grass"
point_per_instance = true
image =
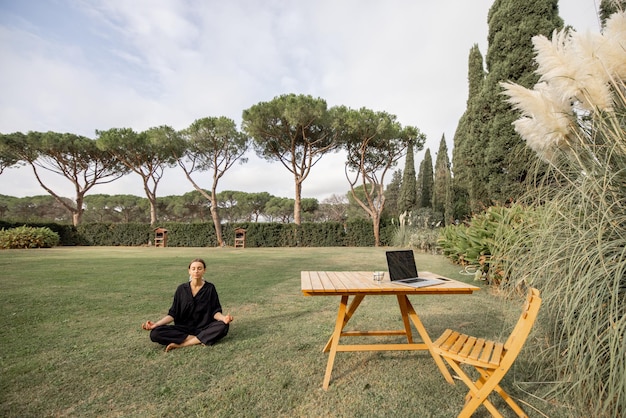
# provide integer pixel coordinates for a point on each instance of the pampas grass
(579, 75)
(575, 248)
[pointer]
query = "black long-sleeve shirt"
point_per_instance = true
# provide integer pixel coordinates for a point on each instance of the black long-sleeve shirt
(195, 312)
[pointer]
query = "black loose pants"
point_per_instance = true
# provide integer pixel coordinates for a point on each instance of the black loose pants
(166, 334)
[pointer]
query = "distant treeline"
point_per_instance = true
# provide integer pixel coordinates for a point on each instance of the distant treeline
(234, 206)
(355, 233)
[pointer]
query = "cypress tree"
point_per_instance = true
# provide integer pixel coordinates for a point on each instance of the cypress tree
(463, 158)
(392, 195)
(442, 182)
(407, 199)
(425, 182)
(608, 7)
(510, 57)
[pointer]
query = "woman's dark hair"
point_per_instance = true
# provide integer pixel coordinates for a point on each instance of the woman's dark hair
(197, 260)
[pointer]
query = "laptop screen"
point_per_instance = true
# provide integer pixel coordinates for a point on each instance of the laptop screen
(401, 264)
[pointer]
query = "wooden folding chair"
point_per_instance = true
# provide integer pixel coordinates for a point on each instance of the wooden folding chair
(491, 359)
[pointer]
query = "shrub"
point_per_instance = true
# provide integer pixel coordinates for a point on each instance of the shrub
(28, 237)
(420, 231)
(472, 244)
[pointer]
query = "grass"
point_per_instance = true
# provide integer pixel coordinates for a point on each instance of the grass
(72, 343)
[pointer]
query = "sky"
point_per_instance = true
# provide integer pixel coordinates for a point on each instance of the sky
(79, 66)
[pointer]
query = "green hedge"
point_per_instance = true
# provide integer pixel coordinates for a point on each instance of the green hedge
(356, 233)
(114, 234)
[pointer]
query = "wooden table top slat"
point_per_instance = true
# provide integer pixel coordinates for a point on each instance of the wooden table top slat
(316, 281)
(349, 280)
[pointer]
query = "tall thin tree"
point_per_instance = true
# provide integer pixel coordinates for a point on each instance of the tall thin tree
(504, 160)
(608, 7)
(392, 194)
(425, 182)
(442, 182)
(464, 161)
(407, 200)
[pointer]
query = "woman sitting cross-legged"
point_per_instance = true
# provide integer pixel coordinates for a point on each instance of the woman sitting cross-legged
(196, 312)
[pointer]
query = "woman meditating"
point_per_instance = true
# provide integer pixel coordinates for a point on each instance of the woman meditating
(196, 312)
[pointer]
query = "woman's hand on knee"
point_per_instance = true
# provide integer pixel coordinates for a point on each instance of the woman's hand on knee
(227, 319)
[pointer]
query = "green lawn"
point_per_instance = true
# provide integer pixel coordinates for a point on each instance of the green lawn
(72, 344)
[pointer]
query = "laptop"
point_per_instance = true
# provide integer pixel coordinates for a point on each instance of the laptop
(402, 270)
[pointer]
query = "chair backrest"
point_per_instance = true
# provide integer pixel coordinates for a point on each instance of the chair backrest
(524, 324)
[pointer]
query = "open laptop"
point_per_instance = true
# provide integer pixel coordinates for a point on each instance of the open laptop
(402, 270)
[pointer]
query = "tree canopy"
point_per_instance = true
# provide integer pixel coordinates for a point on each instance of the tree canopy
(490, 160)
(510, 56)
(295, 130)
(374, 142)
(215, 145)
(71, 156)
(146, 153)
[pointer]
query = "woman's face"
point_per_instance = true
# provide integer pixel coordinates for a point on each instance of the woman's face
(196, 270)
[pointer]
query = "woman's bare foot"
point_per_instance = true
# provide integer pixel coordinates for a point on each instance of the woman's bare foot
(172, 346)
(190, 340)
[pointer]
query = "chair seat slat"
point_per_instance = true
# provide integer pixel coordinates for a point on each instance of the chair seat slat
(497, 354)
(450, 341)
(468, 346)
(486, 354)
(477, 348)
(443, 337)
(458, 344)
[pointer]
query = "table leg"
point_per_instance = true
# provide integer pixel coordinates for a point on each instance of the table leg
(402, 301)
(426, 339)
(356, 301)
(334, 341)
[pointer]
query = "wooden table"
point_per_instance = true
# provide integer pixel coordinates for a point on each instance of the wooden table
(360, 284)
